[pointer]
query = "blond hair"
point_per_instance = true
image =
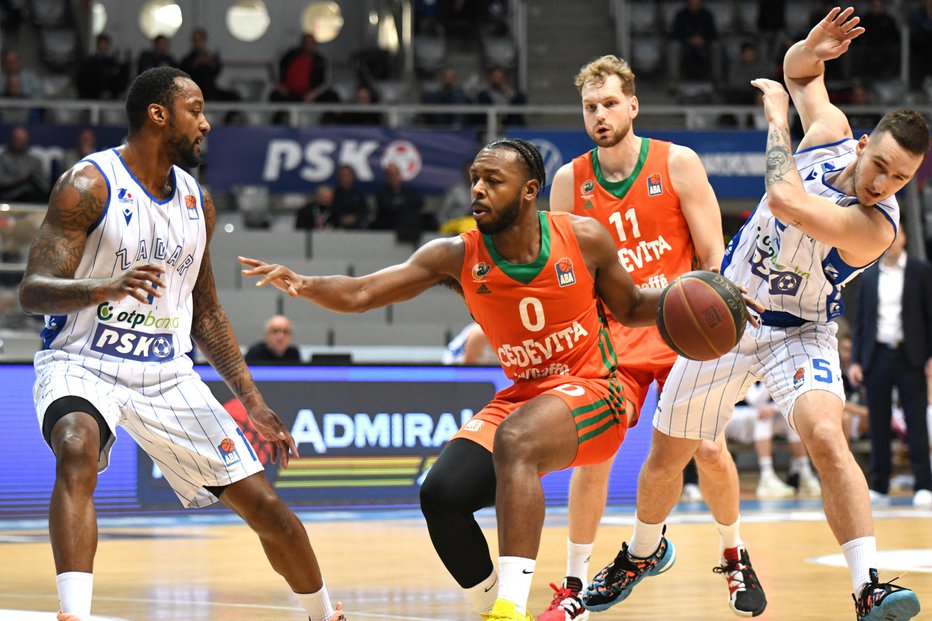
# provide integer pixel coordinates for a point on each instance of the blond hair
(600, 69)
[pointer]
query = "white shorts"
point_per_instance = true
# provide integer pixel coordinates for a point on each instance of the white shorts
(167, 410)
(698, 399)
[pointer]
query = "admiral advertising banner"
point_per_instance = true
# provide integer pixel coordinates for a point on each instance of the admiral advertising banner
(733, 159)
(367, 436)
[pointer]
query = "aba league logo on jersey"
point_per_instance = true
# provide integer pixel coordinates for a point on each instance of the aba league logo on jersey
(565, 275)
(654, 185)
(191, 203)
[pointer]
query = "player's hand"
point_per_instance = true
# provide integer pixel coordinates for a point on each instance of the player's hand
(273, 430)
(856, 374)
(138, 283)
(831, 37)
(752, 304)
(279, 276)
(776, 100)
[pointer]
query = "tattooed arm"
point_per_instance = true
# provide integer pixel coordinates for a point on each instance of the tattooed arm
(860, 233)
(212, 331)
(49, 287)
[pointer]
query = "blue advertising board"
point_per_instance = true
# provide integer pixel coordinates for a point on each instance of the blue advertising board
(367, 436)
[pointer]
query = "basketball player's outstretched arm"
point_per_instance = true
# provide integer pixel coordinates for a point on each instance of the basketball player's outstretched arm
(49, 287)
(211, 328)
(632, 306)
(804, 70)
(860, 234)
(435, 263)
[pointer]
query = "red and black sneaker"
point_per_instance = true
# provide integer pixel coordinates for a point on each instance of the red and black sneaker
(885, 601)
(745, 595)
(566, 604)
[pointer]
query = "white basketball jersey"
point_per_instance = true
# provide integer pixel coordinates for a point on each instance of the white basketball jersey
(135, 229)
(795, 277)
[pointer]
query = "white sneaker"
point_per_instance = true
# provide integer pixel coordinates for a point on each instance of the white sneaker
(810, 486)
(878, 499)
(922, 498)
(770, 487)
(691, 493)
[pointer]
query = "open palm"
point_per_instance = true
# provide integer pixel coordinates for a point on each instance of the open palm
(832, 36)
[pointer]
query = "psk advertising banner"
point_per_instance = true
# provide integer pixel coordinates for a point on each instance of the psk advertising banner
(733, 159)
(290, 159)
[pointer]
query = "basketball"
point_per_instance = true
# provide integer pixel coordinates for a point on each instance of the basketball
(701, 315)
(227, 445)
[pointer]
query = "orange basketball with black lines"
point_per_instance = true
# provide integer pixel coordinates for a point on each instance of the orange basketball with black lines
(701, 315)
(227, 445)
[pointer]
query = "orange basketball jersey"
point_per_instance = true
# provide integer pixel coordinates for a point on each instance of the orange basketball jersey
(643, 215)
(542, 318)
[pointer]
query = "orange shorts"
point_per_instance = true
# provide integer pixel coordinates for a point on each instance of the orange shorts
(598, 407)
(643, 357)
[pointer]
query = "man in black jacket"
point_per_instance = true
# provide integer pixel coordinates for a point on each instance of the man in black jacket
(893, 347)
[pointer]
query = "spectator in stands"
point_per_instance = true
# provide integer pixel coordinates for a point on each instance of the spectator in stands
(920, 43)
(364, 96)
(350, 207)
(158, 56)
(859, 120)
(22, 177)
(877, 51)
(102, 75)
(454, 216)
(85, 144)
(893, 348)
(314, 214)
(749, 66)
(499, 92)
(399, 207)
(304, 74)
(755, 422)
(204, 66)
(695, 47)
(276, 347)
(448, 93)
(25, 82)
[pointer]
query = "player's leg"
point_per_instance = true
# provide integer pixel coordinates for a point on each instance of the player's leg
(802, 373)
(284, 540)
(679, 424)
(75, 431)
(461, 482)
(575, 423)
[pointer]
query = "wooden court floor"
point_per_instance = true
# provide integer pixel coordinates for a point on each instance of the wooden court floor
(384, 569)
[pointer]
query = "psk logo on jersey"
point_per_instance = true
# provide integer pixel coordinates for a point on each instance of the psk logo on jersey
(480, 271)
(798, 378)
(654, 185)
(784, 283)
(132, 345)
(228, 452)
(191, 203)
(565, 275)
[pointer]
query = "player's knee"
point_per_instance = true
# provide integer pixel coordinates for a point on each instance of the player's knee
(76, 460)
(826, 444)
(512, 444)
(270, 517)
(437, 496)
(709, 455)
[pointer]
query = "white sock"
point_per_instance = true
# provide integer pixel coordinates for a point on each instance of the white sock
(646, 538)
(317, 605)
(483, 594)
(766, 467)
(75, 591)
(516, 574)
(730, 536)
(802, 467)
(577, 560)
(860, 555)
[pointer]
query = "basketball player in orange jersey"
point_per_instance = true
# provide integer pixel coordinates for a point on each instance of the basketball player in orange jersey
(656, 201)
(536, 283)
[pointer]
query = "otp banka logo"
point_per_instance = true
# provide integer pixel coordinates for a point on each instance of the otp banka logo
(133, 345)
